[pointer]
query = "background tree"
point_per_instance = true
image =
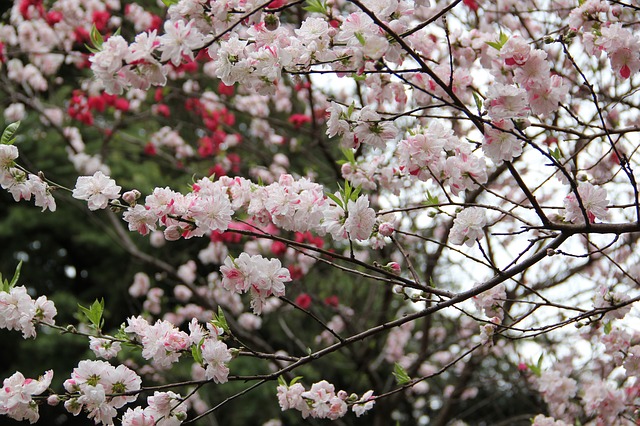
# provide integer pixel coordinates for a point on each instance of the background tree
(430, 206)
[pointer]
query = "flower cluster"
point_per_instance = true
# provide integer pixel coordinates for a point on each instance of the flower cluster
(322, 401)
(23, 185)
(161, 342)
(436, 153)
(261, 277)
(18, 311)
(16, 396)
(358, 223)
(467, 226)
(99, 389)
(164, 409)
(594, 201)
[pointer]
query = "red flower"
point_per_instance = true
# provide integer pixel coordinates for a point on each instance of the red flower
(225, 90)
(473, 5)
(303, 301)
(332, 301)
(298, 120)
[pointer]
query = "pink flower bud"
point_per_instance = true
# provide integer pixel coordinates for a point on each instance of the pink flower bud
(393, 267)
(53, 400)
(386, 229)
(130, 197)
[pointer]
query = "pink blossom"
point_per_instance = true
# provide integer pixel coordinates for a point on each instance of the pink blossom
(364, 404)
(216, 355)
(104, 348)
(98, 190)
(360, 219)
(179, 40)
(500, 144)
(594, 200)
(16, 396)
(467, 226)
(505, 101)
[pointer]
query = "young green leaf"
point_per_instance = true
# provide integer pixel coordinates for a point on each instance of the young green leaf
(349, 155)
(537, 367)
(337, 200)
(16, 275)
(94, 313)
(295, 380)
(282, 381)
(219, 320)
(96, 37)
(9, 131)
(555, 153)
(478, 101)
(316, 6)
(502, 39)
(196, 352)
(402, 378)
(431, 200)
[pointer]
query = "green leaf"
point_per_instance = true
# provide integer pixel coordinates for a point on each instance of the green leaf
(169, 3)
(219, 320)
(607, 327)
(16, 275)
(94, 313)
(537, 367)
(355, 193)
(9, 131)
(431, 200)
(96, 37)
(337, 200)
(360, 38)
(555, 153)
(282, 381)
(402, 378)
(316, 6)
(351, 109)
(349, 155)
(478, 101)
(502, 39)
(196, 352)
(295, 380)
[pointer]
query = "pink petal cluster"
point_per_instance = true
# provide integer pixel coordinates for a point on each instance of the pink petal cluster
(98, 190)
(98, 388)
(161, 342)
(261, 277)
(435, 153)
(594, 200)
(467, 226)
(23, 185)
(322, 401)
(16, 396)
(18, 311)
(164, 409)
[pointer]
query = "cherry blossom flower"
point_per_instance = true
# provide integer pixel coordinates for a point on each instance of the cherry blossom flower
(364, 404)
(16, 397)
(467, 226)
(216, 355)
(18, 311)
(98, 190)
(360, 219)
(104, 348)
(179, 40)
(506, 101)
(500, 144)
(594, 201)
